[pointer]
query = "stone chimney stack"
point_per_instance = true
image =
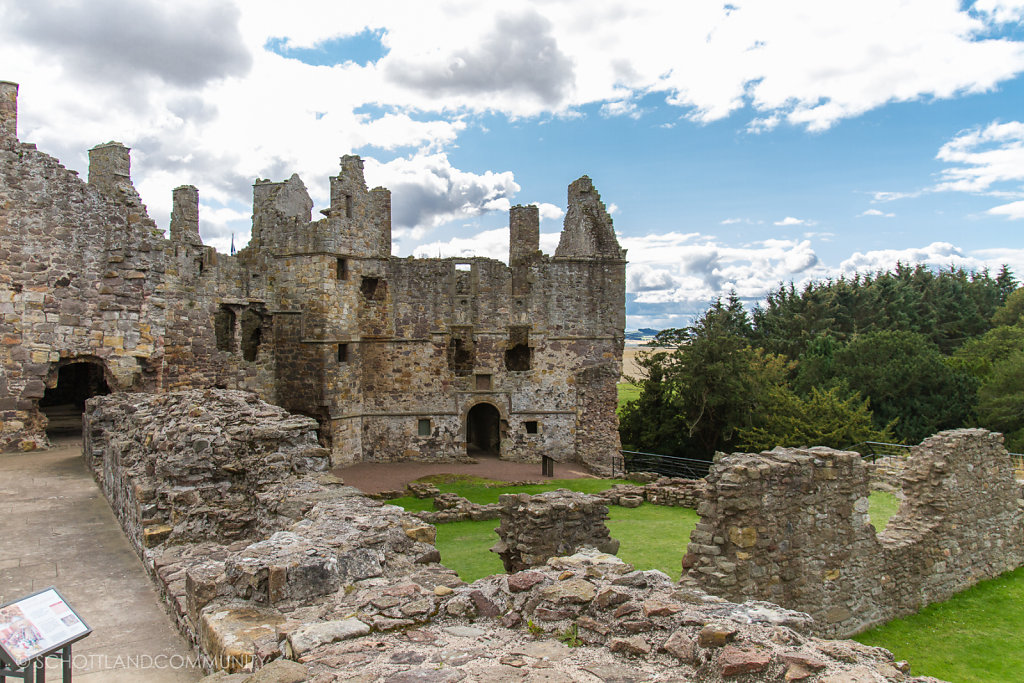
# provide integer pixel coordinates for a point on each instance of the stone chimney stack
(110, 168)
(524, 233)
(8, 113)
(185, 215)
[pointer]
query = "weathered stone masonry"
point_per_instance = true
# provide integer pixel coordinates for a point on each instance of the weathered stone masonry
(791, 526)
(396, 358)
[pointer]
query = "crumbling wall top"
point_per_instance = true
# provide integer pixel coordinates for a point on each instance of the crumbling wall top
(588, 231)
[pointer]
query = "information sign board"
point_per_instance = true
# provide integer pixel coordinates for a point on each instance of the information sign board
(38, 624)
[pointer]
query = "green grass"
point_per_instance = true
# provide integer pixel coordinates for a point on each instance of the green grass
(627, 392)
(465, 547)
(652, 536)
(881, 507)
(974, 637)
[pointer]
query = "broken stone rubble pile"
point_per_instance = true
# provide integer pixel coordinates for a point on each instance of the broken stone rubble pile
(535, 528)
(625, 626)
(792, 526)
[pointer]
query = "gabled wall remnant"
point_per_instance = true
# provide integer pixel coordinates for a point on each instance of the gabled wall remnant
(791, 526)
(316, 316)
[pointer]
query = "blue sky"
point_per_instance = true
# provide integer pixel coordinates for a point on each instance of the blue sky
(740, 145)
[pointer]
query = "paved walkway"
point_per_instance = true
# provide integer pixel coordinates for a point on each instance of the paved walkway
(56, 529)
(374, 477)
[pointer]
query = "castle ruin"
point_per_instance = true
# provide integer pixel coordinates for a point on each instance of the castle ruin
(397, 358)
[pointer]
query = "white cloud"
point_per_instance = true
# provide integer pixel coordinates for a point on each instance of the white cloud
(937, 254)
(790, 220)
(428, 191)
(1001, 11)
(1012, 210)
(549, 212)
(876, 212)
(984, 157)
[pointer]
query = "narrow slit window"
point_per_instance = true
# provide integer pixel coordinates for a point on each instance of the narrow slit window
(341, 269)
(348, 206)
(342, 353)
(423, 427)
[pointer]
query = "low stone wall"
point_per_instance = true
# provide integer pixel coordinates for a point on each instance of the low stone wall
(791, 526)
(668, 491)
(886, 472)
(451, 507)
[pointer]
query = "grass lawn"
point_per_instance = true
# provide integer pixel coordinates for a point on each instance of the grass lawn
(627, 392)
(973, 637)
(881, 507)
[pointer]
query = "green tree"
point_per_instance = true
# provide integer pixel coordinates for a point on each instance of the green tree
(1001, 401)
(824, 418)
(694, 398)
(1012, 310)
(904, 377)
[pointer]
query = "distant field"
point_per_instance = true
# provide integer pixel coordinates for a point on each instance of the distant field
(629, 366)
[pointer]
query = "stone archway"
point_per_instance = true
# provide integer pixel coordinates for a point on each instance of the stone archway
(483, 430)
(76, 380)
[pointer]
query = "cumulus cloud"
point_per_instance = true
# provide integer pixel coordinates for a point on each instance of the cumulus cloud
(519, 55)
(937, 254)
(182, 43)
(428, 191)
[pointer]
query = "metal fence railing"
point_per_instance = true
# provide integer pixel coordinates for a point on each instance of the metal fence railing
(668, 465)
(873, 450)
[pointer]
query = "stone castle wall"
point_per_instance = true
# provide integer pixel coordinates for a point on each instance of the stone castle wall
(390, 355)
(791, 526)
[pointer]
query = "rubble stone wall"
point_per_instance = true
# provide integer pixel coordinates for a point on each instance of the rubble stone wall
(536, 528)
(791, 526)
(194, 465)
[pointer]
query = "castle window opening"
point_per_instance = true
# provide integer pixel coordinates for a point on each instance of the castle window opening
(532, 427)
(483, 382)
(373, 289)
(348, 206)
(423, 427)
(342, 353)
(341, 269)
(252, 334)
(461, 352)
(224, 329)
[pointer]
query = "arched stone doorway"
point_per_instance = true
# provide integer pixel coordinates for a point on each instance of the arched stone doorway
(64, 402)
(483, 430)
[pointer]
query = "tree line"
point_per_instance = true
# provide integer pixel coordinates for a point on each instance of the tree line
(893, 356)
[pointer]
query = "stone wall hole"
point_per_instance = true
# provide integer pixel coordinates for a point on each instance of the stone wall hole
(64, 403)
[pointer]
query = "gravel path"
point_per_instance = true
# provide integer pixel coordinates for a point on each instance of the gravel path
(374, 477)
